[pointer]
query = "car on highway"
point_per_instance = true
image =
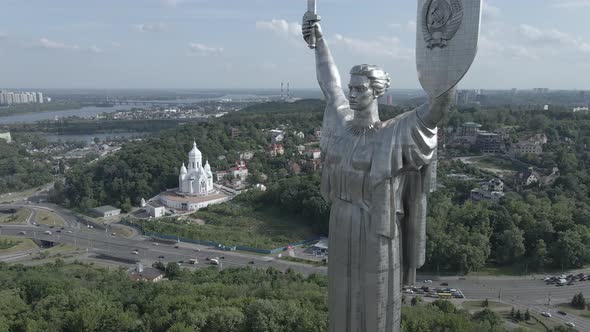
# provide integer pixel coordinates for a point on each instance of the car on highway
(251, 262)
(427, 281)
(194, 261)
(22, 233)
(546, 314)
(562, 313)
(48, 232)
(214, 261)
(570, 324)
(155, 243)
(135, 252)
(58, 231)
(176, 246)
(69, 231)
(444, 284)
(160, 257)
(51, 226)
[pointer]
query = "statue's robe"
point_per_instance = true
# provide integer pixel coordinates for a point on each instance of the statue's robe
(377, 181)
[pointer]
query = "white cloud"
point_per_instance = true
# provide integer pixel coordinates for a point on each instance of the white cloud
(380, 46)
(490, 12)
(411, 26)
(158, 27)
(203, 50)
(280, 27)
(492, 49)
(51, 44)
(95, 49)
(543, 37)
(575, 4)
(172, 3)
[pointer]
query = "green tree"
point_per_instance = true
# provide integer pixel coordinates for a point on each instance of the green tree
(227, 319)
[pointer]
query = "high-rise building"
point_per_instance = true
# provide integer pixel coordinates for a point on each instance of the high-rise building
(9, 98)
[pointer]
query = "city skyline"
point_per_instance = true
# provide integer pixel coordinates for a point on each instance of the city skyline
(200, 44)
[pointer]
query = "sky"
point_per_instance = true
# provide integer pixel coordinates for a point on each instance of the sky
(200, 44)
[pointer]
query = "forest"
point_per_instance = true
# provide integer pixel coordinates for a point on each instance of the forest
(20, 170)
(536, 229)
(83, 298)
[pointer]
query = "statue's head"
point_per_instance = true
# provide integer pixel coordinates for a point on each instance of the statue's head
(367, 83)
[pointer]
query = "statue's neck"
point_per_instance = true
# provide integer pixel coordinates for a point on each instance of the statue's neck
(367, 117)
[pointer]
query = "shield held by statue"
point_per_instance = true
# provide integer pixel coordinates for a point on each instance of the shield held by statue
(446, 42)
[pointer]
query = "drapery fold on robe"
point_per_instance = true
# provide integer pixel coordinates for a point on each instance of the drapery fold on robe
(403, 172)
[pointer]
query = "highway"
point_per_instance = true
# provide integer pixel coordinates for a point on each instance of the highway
(521, 292)
(101, 242)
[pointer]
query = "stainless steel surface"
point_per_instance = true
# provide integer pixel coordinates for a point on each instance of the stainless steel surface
(377, 174)
(311, 16)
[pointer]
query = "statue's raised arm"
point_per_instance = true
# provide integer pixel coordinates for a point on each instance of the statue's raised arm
(337, 106)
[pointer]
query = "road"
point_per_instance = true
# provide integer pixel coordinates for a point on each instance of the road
(101, 242)
(525, 292)
(522, 292)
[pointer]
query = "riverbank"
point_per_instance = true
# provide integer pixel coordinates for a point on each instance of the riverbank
(61, 112)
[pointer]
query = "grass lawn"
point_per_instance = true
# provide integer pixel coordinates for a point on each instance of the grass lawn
(47, 218)
(492, 305)
(14, 244)
(536, 323)
(122, 231)
(579, 312)
(510, 270)
(232, 225)
(303, 261)
(499, 162)
(20, 217)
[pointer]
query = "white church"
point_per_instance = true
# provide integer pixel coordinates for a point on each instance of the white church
(197, 179)
(195, 187)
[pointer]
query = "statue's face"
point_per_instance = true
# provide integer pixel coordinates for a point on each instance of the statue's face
(360, 93)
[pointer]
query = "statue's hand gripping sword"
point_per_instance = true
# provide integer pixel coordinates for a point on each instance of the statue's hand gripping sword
(311, 16)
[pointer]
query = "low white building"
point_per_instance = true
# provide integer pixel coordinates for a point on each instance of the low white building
(106, 211)
(240, 171)
(181, 202)
(6, 137)
(155, 210)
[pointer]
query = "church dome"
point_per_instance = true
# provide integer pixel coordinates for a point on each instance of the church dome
(183, 169)
(207, 166)
(195, 152)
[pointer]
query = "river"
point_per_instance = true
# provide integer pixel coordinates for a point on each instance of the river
(89, 138)
(84, 112)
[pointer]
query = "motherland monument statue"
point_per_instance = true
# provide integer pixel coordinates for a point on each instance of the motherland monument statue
(377, 174)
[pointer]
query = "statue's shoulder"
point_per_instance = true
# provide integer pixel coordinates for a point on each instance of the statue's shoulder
(399, 119)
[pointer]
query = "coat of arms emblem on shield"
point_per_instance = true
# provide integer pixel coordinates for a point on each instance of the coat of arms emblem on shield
(440, 21)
